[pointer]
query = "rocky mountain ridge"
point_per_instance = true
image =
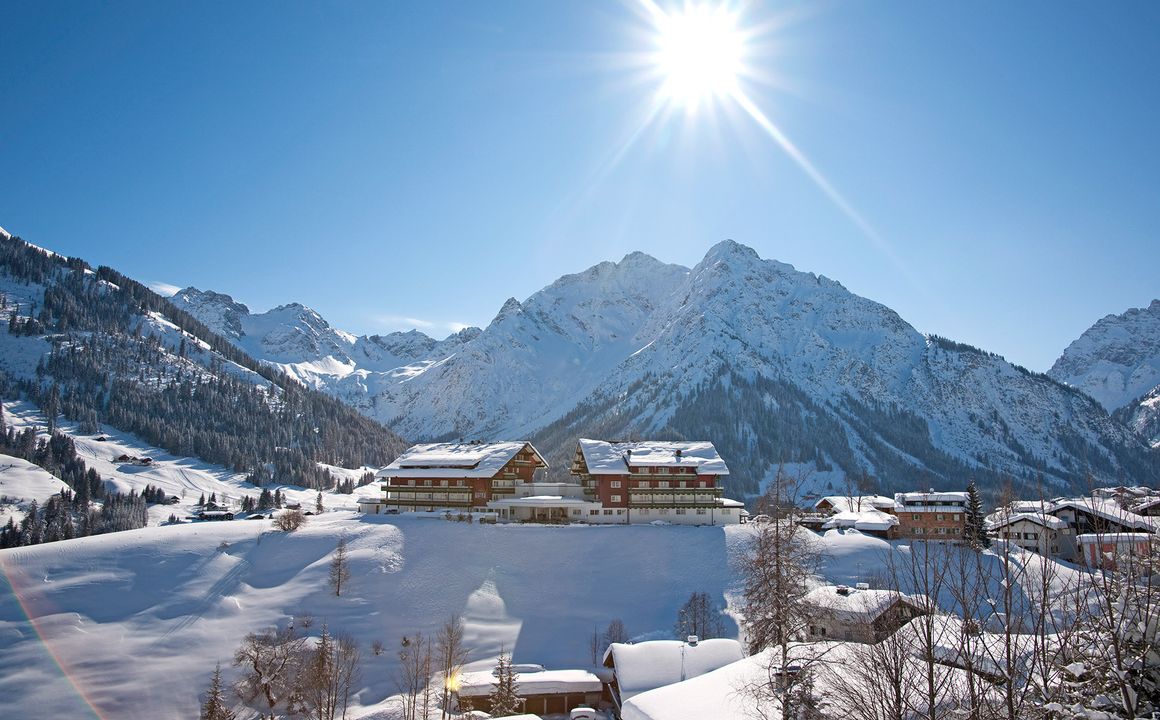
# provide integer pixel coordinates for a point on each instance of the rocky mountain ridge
(773, 364)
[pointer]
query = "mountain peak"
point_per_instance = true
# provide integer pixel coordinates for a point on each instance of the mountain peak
(731, 249)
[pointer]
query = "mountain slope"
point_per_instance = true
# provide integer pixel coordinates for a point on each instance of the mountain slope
(788, 366)
(98, 347)
(1117, 361)
(770, 363)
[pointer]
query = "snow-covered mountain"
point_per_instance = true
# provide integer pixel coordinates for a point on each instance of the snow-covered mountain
(1117, 361)
(771, 363)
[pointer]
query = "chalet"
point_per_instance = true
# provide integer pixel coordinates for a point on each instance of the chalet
(542, 691)
(1089, 515)
(649, 481)
(640, 667)
(456, 475)
(859, 614)
(1038, 532)
(1109, 550)
(931, 515)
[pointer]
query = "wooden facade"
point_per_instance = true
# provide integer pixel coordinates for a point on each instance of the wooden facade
(457, 484)
(685, 490)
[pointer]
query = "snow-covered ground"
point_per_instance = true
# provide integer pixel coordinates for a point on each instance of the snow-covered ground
(134, 622)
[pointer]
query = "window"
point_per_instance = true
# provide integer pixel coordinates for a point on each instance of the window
(727, 511)
(614, 498)
(442, 483)
(593, 512)
(683, 484)
(619, 512)
(614, 484)
(664, 511)
(918, 531)
(644, 511)
(704, 484)
(942, 531)
(608, 512)
(956, 517)
(662, 483)
(915, 517)
(481, 494)
(680, 511)
(701, 511)
(940, 516)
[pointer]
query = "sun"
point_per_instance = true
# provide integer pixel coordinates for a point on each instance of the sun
(700, 54)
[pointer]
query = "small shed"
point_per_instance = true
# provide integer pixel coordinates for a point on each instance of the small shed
(545, 692)
(640, 667)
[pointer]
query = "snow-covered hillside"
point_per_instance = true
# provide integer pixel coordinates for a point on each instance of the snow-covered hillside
(771, 363)
(132, 623)
(1117, 361)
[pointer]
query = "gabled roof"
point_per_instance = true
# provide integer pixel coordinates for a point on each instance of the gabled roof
(617, 458)
(457, 460)
(647, 665)
(1042, 519)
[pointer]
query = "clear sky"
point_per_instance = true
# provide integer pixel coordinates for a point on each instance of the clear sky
(994, 167)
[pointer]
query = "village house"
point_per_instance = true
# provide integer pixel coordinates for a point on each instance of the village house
(545, 692)
(1088, 515)
(931, 515)
(455, 476)
(640, 667)
(1038, 532)
(1110, 550)
(648, 481)
(858, 614)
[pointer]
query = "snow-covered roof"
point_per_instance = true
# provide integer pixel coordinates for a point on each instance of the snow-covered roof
(1042, 519)
(931, 498)
(868, 520)
(465, 460)
(543, 682)
(1106, 510)
(856, 605)
(607, 458)
(1118, 538)
(858, 503)
(641, 667)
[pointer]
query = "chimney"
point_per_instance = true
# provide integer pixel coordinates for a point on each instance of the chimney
(678, 452)
(692, 640)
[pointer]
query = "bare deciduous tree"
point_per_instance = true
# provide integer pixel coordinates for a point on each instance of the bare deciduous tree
(271, 661)
(699, 616)
(339, 567)
(451, 655)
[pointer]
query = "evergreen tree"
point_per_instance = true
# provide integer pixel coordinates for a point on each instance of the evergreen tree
(215, 707)
(505, 699)
(975, 533)
(318, 503)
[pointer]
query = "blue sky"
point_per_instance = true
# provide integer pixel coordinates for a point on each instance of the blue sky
(397, 165)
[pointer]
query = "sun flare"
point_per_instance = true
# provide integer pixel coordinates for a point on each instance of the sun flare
(699, 56)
